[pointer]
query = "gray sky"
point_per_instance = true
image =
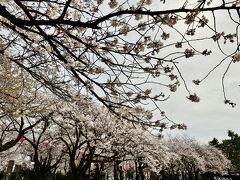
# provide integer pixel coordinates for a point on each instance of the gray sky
(210, 117)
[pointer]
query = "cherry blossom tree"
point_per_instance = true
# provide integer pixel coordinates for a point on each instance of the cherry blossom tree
(135, 146)
(21, 107)
(215, 160)
(116, 49)
(74, 140)
(189, 159)
(78, 133)
(91, 135)
(46, 153)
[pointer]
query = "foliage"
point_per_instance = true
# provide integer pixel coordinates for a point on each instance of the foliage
(102, 60)
(21, 107)
(115, 49)
(231, 148)
(193, 158)
(81, 135)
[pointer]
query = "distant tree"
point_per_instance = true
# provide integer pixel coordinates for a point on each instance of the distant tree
(214, 142)
(230, 147)
(232, 135)
(190, 159)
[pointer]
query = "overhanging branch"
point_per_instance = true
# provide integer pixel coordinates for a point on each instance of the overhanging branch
(153, 13)
(94, 23)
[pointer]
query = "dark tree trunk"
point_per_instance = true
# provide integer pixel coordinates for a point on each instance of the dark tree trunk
(183, 175)
(153, 176)
(196, 174)
(190, 175)
(76, 175)
(140, 170)
(136, 171)
(115, 171)
(120, 172)
(98, 174)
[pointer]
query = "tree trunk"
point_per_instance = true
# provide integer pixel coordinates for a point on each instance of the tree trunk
(115, 171)
(42, 173)
(190, 175)
(196, 174)
(120, 172)
(136, 170)
(76, 176)
(140, 170)
(97, 173)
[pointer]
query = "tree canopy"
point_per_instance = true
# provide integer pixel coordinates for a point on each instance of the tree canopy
(231, 148)
(22, 104)
(116, 51)
(73, 71)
